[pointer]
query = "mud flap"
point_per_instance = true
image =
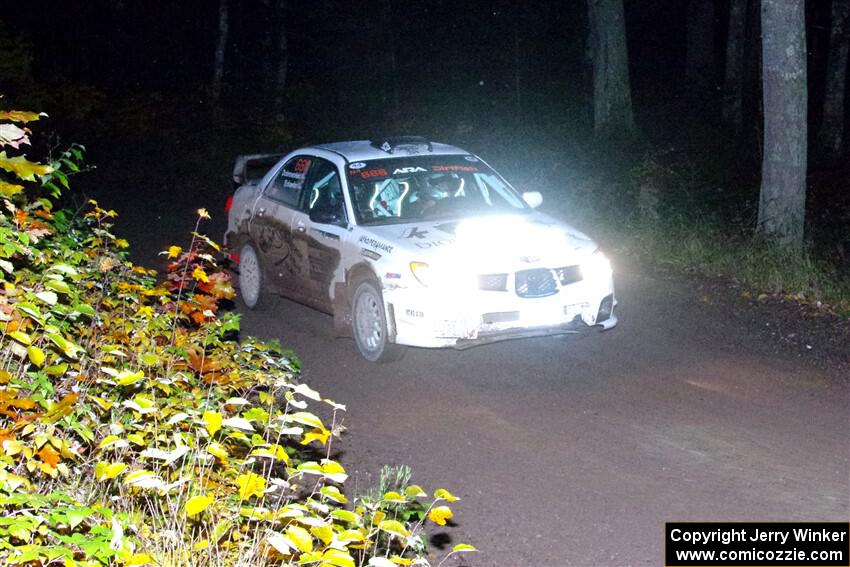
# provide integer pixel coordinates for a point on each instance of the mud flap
(342, 311)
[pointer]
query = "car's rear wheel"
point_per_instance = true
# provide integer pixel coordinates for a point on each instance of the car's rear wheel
(252, 285)
(369, 322)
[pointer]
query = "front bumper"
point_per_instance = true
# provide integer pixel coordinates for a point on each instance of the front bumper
(426, 318)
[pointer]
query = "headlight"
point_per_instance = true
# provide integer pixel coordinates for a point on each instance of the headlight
(424, 273)
(596, 267)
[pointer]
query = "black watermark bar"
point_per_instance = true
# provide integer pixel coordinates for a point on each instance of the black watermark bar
(757, 544)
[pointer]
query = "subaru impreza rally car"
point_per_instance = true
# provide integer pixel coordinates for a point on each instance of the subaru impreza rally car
(409, 242)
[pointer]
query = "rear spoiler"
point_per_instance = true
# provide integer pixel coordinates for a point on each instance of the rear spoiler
(249, 169)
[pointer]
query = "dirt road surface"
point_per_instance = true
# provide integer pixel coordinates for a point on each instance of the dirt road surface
(575, 450)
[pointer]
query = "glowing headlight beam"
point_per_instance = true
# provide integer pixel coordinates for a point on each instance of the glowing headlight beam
(596, 267)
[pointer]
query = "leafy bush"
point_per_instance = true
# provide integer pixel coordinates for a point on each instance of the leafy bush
(135, 429)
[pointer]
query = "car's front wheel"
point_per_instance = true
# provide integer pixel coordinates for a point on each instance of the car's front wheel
(252, 288)
(369, 322)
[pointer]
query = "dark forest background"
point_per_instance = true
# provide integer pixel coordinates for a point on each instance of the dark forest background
(137, 83)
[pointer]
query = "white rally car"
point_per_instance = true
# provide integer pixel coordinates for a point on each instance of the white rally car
(409, 242)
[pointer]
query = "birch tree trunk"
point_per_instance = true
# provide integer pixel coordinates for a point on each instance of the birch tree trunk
(220, 48)
(733, 82)
(831, 135)
(782, 204)
(612, 98)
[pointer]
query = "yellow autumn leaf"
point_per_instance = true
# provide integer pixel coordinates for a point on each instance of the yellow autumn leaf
(414, 491)
(324, 533)
(306, 418)
(250, 484)
(12, 447)
(218, 450)
(198, 504)
(212, 422)
(36, 355)
(334, 471)
(107, 471)
(126, 378)
(105, 405)
(22, 167)
(393, 496)
(440, 515)
(9, 189)
(300, 538)
(145, 311)
(464, 547)
(21, 337)
(393, 527)
(174, 251)
(200, 275)
(320, 435)
(20, 115)
(444, 494)
(139, 559)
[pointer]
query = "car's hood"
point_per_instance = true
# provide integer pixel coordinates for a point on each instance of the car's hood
(484, 243)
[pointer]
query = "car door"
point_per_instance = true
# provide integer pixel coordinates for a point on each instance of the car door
(320, 228)
(272, 218)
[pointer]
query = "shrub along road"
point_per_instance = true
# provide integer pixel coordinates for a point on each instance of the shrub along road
(575, 450)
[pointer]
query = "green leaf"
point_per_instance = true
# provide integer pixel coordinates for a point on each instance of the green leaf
(463, 547)
(61, 286)
(47, 297)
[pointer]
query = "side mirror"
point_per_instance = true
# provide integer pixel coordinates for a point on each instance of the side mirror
(321, 216)
(533, 198)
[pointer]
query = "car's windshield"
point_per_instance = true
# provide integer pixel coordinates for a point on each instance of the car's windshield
(428, 188)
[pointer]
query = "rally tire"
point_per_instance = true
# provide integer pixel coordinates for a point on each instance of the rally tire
(252, 281)
(369, 325)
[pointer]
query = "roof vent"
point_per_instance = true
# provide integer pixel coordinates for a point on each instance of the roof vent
(410, 144)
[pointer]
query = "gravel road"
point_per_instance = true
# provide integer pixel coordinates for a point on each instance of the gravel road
(575, 450)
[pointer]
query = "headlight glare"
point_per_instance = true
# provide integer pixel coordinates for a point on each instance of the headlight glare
(596, 267)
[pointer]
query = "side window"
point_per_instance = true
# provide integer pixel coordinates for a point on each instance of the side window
(323, 196)
(288, 184)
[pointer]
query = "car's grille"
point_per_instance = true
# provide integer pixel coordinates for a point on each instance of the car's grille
(568, 274)
(535, 283)
(493, 282)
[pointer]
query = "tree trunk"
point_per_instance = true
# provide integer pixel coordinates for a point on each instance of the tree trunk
(831, 135)
(733, 84)
(752, 76)
(220, 48)
(390, 99)
(282, 57)
(700, 79)
(612, 98)
(782, 205)
(517, 74)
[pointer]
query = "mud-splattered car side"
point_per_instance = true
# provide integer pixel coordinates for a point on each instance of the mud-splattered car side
(412, 243)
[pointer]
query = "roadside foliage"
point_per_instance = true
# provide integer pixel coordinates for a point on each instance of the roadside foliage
(135, 429)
